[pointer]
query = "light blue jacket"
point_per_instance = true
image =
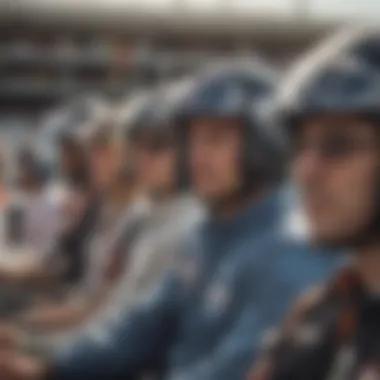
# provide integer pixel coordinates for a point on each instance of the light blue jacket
(236, 278)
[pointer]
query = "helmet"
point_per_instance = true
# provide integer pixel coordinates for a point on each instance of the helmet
(62, 127)
(156, 116)
(131, 114)
(242, 91)
(152, 117)
(342, 76)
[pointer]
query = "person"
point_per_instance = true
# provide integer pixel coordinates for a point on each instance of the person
(332, 117)
(63, 261)
(239, 269)
(116, 191)
(58, 217)
(151, 249)
(32, 224)
(171, 211)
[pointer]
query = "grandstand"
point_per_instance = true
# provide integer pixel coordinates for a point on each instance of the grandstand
(52, 51)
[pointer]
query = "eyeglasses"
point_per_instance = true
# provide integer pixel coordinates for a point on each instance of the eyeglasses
(337, 146)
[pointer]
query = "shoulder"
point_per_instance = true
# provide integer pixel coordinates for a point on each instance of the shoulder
(290, 242)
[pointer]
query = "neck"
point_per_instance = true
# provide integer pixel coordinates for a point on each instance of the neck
(162, 195)
(120, 197)
(368, 266)
(231, 206)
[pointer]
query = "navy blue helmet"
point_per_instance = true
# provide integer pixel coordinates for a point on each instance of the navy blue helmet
(243, 91)
(341, 76)
(154, 116)
(151, 118)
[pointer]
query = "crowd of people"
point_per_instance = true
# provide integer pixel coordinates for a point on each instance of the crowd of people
(226, 227)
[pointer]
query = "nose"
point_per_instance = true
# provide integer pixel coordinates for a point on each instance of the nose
(306, 167)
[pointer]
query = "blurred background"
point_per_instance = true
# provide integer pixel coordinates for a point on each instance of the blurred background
(55, 51)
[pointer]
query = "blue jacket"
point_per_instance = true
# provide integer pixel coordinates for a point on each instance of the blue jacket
(205, 320)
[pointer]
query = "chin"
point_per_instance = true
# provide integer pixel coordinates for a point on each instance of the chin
(329, 240)
(206, 193)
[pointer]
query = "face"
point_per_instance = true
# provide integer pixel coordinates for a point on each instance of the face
(336, 164)
(105, 162)
(155, 165)
(214, 153)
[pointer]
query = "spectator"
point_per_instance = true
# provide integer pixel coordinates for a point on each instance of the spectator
(57, 222)
(118, 211)
(332, 332)
(33, 222)
(153, 249)
(172, 213)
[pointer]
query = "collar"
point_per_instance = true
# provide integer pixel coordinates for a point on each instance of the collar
(255, 218)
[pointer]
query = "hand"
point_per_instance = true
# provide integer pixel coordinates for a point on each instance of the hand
(14, 366)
